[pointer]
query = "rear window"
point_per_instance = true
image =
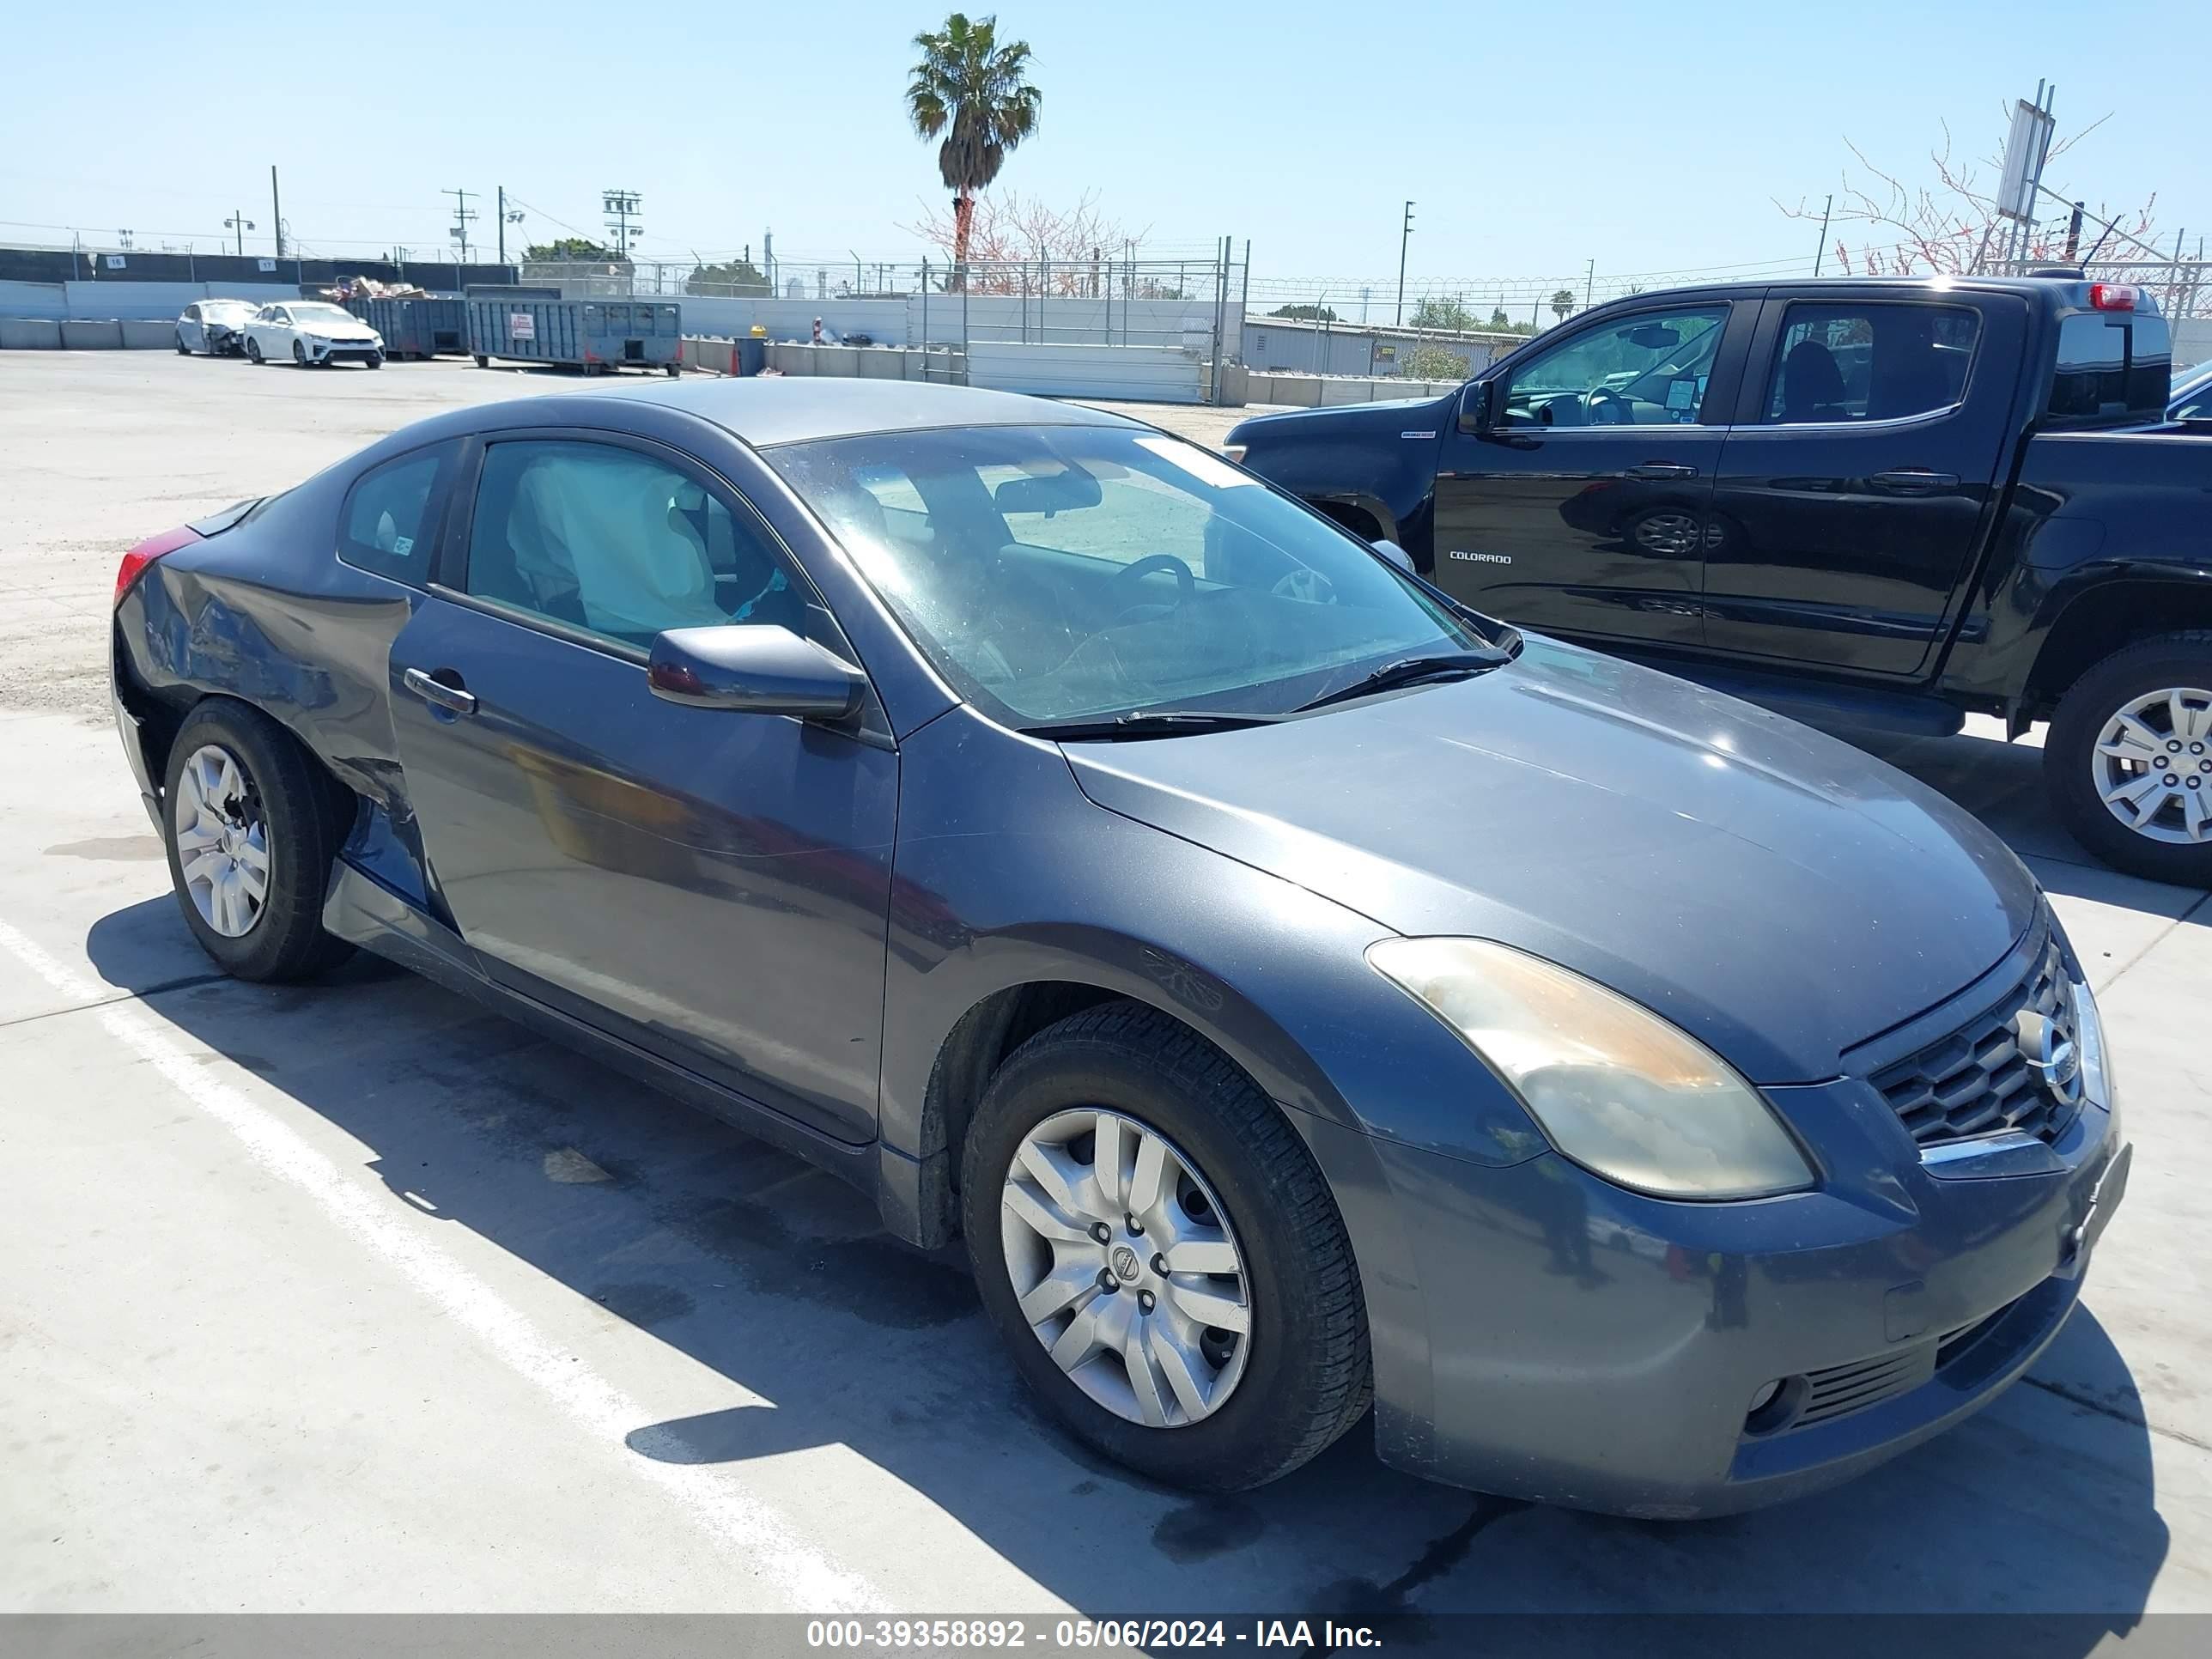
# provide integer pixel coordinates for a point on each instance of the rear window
(2111, 364)
(386, 526)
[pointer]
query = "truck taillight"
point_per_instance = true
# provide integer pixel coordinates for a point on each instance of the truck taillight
(2113, 296)
(135, 561)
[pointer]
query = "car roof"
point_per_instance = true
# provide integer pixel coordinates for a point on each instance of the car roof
(771, 410)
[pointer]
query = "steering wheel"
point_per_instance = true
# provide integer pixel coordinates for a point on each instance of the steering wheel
(1307, 586)
(1128, 575)
(1604, 399)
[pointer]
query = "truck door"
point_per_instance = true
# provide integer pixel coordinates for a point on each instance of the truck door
(1581, 505)
(1858, 475)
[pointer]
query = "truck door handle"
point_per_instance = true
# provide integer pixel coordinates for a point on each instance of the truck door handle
(1662, 469)
(436, 691)
(1912, 481)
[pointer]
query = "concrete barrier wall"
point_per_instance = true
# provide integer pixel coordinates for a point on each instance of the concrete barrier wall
(30, 334)
(83, 334)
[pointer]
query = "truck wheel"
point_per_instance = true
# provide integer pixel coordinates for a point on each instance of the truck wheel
(1162, 1259)
(2129, 759)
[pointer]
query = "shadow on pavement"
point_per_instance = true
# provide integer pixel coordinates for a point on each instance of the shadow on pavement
(778, 1278)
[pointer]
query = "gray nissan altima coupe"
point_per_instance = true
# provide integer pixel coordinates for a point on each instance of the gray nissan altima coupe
(1304, 994)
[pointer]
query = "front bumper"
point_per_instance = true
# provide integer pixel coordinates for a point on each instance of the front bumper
(339, 351)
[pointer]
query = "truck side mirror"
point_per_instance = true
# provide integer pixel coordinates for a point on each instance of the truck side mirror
(1475, 406)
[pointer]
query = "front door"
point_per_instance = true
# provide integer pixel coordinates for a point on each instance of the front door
(1864, 458)
(708, 885)
(1581, 507)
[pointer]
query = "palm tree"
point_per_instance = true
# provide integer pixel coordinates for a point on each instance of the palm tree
(1562, 303)
(970, 88)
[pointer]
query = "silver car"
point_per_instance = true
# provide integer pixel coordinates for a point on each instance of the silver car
(216, 327)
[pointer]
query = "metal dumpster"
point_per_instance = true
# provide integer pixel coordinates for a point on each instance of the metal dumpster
(593, 335)
(415, 327)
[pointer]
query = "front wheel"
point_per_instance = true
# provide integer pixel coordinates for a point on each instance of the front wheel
(1161, 1256)
(2128, 759)
(298, 355)
(250, 832)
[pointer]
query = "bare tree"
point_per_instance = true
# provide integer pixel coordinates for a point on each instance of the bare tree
(1071, 249)
(1949, 225)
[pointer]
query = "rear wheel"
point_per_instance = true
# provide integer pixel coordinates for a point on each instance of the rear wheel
(2129, 759)
(1159, 1254)
(253, 352)
(250, 832)
(183, 350)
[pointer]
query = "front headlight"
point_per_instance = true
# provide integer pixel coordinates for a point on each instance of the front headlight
(316, 339)
(1616, 1088)
(2089, 1032)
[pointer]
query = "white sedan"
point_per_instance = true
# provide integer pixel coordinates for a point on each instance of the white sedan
(311, 331)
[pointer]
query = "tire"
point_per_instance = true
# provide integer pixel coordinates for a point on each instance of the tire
(300, 827)
(1303, 1376)
(183, 350)
(298, 355)
(674, 369)
(2075, 772)
(375, 360)
(253, 353)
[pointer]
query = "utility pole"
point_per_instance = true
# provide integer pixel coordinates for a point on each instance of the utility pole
(2074, 235)
(1406, 231)
(621, 208)
(463, 213)
(1821, 249)
(275, 210)
(506, 218)
(1589, 283)
(238, 222)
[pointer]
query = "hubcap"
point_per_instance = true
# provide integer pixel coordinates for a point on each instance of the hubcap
(1126, 1268)
(222, 843)
(2154, 767)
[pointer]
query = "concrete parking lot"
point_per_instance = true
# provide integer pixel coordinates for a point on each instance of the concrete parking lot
(355, 1297)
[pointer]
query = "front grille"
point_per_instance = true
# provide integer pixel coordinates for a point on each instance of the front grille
(1842, 1389)
(1975, 1081)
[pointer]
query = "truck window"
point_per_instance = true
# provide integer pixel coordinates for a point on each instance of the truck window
(2112, 363)
(1649, 370)
(1868, 362)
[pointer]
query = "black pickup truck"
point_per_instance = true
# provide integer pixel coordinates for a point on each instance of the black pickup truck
(1870, 504)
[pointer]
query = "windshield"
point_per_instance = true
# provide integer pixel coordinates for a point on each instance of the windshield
(321, 313)
(1058, 574)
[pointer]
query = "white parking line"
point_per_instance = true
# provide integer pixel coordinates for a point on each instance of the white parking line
(718, 1505)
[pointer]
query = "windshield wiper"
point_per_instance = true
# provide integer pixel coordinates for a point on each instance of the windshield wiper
(1409, 671)
(1150, 723)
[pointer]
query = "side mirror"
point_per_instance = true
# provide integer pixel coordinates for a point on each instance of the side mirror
(1474, 406)
(1397, 555)
(757, 671)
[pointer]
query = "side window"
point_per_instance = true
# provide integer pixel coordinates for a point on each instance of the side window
(1868, 362)
(386, 527)
(619, 543)
(1650, 369)
(192, 314)
(2111, 364)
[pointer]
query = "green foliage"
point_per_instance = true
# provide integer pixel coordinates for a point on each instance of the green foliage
(976, 92)
(1301, 313)
(1429, 362)
(731, 276)
(572, 248)
(1442, 311)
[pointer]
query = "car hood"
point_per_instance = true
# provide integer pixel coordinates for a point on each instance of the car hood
(1776, 893)
(1391, 416)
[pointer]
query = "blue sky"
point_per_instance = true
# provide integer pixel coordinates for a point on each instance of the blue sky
(1532, 137)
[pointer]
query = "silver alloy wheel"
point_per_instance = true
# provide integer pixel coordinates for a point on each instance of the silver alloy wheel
(1127, 1268)
(2154, 766)
(222, 841)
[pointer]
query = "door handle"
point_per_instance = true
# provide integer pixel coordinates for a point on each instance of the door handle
(1912, 481)
(1662, 469)
(450, 698)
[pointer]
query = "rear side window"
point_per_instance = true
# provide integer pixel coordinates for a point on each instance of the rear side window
(1868, 362)
(2114, 363)
(387, 526)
